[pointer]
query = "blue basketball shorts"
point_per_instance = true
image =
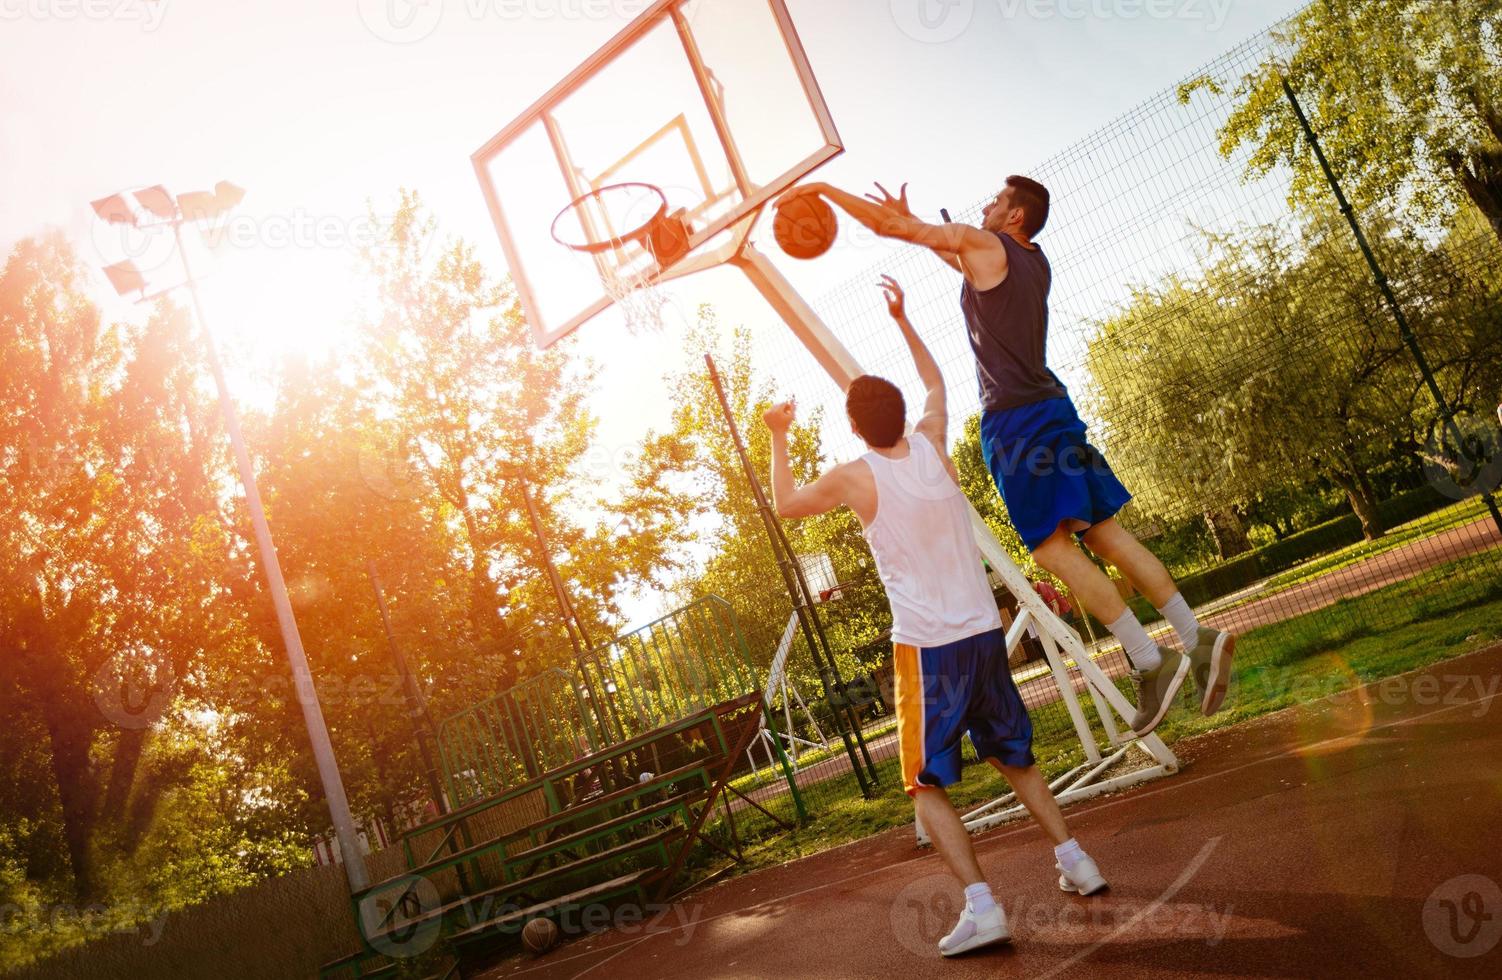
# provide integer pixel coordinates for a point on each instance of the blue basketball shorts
(1048, 473)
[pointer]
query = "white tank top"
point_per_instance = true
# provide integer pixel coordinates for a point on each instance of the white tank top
(925, 550)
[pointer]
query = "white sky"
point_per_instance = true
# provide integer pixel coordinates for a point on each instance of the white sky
(313, 109)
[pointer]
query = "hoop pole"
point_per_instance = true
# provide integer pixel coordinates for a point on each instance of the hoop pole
(798, 315)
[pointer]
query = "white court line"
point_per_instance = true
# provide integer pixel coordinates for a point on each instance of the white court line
(618, 952)
(1145, 911)
(1172, 784)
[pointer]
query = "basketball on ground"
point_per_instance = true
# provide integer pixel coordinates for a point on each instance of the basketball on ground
(539, 936)
(805, 227)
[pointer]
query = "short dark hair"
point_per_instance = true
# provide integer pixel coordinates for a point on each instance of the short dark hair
(1032, 198)
(877, 410)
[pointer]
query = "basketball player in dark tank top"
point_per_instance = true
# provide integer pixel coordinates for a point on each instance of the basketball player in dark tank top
(1056, 486)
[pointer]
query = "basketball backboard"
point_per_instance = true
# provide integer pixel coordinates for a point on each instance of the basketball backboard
(713, 101)
(818, 572)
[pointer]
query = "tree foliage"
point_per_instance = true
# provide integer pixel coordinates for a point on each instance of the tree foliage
(1406, 102)
(1278, 365)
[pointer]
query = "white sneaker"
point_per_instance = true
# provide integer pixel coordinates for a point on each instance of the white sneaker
(1085, 879)
(974, 931)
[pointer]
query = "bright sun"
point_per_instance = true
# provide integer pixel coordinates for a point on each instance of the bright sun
(268, 298)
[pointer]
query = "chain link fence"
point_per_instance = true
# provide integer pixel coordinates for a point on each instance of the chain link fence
(1232, 351)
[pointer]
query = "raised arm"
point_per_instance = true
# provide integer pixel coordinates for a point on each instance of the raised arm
(981, 256)
(819, 497)
(934, 423)
(900, 205)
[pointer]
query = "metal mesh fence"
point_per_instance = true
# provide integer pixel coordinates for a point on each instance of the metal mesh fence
(1234, 358)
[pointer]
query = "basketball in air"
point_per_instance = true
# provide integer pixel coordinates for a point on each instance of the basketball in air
(805, 227)
(539, 936)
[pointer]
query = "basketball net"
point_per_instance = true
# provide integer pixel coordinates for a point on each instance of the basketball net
(639, 301)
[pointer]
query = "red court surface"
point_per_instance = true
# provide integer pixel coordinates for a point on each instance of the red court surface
(1360, 835)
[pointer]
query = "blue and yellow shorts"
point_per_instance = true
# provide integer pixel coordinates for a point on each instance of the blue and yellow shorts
(945, 691)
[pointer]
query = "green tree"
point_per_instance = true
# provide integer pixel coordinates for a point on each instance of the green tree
(1406, 99)
(411, 455)
(114, 557)
(1276, 365)
(478, 416)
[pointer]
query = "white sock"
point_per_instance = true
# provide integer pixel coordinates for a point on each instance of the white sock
(1069, 854)
(1140, 648)
(1182, 619)
(978, 898)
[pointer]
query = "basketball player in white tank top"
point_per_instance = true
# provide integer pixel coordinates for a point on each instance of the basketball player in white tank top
(950, 658)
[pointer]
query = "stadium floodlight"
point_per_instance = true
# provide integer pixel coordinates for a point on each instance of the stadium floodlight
(115, 210)
(173, 213)
(200, 205)
(157, 201)
(126, 278)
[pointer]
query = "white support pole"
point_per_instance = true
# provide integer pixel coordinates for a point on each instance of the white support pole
(798, 315)
(345, 831)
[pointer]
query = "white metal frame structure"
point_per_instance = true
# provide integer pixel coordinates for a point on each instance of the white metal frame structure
(1060, 643)
(779, 685)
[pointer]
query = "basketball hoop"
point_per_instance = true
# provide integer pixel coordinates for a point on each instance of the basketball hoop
(632, 238)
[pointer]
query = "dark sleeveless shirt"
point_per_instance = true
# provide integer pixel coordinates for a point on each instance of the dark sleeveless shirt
(1008, 328)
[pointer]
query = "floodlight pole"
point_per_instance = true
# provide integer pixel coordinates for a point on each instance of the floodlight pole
(302, 677)
(1446, 414)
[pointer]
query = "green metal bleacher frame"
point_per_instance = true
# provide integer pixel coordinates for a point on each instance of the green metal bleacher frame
(575, 789)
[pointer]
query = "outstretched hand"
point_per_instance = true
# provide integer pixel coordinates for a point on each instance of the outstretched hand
(780, 416)
(896, 298)
(897, 205)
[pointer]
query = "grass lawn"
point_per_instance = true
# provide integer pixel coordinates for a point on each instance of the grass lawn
(1446, 519)
(1449, 610)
